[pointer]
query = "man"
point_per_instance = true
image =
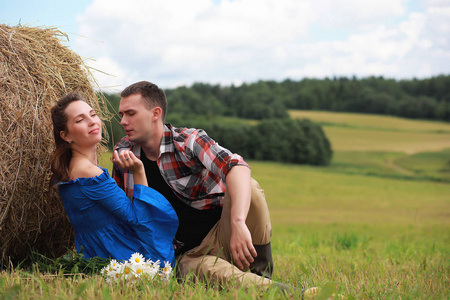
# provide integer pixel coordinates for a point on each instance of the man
(224, 220)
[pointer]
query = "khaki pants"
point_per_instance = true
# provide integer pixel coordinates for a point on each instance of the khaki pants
(211, 260)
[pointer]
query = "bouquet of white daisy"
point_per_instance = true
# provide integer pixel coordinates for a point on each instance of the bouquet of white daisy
(136, 267)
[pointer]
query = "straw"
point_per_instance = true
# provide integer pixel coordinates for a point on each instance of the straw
(36, 69)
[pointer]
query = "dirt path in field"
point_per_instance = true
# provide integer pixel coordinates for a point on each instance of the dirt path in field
(392, 165)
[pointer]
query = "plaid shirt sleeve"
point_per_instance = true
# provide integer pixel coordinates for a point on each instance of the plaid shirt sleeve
(124, 178)
(196, 166)
(217, 159)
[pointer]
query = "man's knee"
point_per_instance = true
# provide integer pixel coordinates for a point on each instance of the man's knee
(214, 269)
(258, 218)
(207, 267)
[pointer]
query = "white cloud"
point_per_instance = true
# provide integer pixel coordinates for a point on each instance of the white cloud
(356, 14)
(108, 74)
(181, 42)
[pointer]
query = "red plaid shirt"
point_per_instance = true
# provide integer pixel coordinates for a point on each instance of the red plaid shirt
(192, 163)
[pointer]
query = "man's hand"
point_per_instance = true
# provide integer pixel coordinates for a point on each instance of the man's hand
(238, 183)
(241, 245)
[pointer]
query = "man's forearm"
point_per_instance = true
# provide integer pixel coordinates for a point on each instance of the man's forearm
(239, 190)
(238, 183)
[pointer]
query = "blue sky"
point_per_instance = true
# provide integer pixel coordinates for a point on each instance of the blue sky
(59, 13)
(180, 42)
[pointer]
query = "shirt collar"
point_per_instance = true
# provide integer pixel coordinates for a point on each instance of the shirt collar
(167, 140)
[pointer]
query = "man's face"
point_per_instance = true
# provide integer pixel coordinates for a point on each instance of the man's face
(137, 119)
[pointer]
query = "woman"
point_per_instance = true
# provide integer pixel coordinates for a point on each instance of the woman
(106, 223)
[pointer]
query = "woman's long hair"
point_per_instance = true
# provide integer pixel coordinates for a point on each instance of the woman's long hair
(60, 161)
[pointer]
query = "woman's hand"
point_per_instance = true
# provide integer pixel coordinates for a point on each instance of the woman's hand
(127, 160)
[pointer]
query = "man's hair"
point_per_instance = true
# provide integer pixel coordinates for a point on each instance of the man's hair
(152, 94)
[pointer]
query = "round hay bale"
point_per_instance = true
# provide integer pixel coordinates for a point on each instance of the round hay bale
(36, 69)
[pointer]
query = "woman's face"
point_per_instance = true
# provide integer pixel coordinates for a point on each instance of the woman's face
(84, 127)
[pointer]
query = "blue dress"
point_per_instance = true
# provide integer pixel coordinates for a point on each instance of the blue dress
(107, 224)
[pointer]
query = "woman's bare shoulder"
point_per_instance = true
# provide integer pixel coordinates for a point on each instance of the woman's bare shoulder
(84, 170)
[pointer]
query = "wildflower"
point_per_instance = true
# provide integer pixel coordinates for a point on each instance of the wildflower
(149, 270)
(155, 264)
(113, 276)
(137, 267)
(167, 270)
(126, 270)
(137, 258)
(114, 263)
(104, 271)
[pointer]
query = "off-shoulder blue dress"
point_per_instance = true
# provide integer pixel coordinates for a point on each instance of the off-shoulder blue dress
(107, 224)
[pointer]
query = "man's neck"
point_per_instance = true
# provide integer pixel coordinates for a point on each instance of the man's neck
(151, 147)
(150, 153)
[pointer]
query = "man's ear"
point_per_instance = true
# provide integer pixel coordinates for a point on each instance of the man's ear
(156, 113)
(65, 136)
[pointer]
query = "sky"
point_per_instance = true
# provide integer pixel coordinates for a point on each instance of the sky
(178, 42)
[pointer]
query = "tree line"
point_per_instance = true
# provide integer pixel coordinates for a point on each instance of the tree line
(273, 139)
(416, 98)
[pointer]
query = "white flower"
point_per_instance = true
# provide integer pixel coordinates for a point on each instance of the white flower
(104, 271)
(125, 270)
(114, 275)
(149, 270)
(155, 264)
(167, 270)
(136, 267)
(137, 258)
(114, 263)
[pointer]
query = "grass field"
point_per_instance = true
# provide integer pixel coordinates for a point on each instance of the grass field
(375, 224)
(385, 145)
(359, 132)
(372, 121)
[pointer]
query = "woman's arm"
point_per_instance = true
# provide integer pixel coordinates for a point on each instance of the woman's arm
(148, 205)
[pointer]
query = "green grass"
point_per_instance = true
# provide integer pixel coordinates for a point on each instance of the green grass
(427, 162)
(360, 132)
(105, 161)
(386, 146)
(433, 166)
(311, 195)
(371, 237)
(369, 121)
(355, 139)
(375, 224)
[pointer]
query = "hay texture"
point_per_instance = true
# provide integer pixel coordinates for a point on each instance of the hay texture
(36, 69)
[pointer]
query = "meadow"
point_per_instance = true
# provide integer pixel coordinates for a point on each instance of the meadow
(375, 224)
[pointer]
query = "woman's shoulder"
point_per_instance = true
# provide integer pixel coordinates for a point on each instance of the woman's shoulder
(85, 171)
(87, 175)
(88, 180)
